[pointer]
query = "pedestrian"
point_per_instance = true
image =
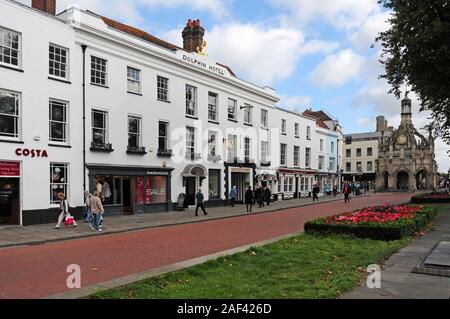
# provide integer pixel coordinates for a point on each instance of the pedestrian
(65, 215)
(334, 191)
(97, 211)
(315, 192)
(268, 195)
(87, 208)
(249, 199)
(233, 196)
(261, 197)
(347, 192)
(200, 202)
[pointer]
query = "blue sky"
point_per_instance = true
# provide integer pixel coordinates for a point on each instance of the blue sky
(315, 53)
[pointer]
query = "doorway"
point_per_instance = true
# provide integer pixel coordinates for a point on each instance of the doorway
(127, 202)
(403, 181)
(190, 190)
(241, 181)
(10, 201)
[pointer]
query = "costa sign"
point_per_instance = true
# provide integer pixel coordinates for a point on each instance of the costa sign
(25, 152)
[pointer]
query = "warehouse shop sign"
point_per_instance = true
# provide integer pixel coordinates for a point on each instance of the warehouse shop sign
(25, 152)
(200, 63)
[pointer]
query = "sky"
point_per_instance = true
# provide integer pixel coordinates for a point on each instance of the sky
(318, 54)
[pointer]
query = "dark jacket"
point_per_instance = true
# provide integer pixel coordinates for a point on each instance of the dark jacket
(249, 196)
(200, 198)
(267, 193)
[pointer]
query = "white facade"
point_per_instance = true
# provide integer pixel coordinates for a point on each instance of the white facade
(126, 81)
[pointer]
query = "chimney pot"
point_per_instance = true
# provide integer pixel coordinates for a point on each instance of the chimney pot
(193, 35)
(47, 6)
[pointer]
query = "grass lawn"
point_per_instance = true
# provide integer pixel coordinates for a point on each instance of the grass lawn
(305, 266)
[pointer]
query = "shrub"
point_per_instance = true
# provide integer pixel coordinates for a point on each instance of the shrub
(382, 223)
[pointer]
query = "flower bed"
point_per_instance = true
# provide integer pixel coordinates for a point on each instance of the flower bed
(383, 222)
(433, 198)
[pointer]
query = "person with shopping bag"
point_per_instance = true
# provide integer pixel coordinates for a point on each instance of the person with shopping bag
(65, 214)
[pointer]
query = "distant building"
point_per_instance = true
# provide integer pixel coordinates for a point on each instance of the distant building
(406, 158)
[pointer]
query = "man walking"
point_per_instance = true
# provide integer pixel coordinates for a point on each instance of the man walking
(347, 192)
(200, 203)
(268, 195)
(233, 195)
(249, 199)
(315, 193)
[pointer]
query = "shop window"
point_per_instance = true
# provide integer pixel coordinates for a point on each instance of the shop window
(191, 100)
(215, 181)
(58, 62)
(58, 181)
(99, 75)
(163, 88)
(9, 114)
(58, 121)
(10, 48)
(134, 80)
(212, 106)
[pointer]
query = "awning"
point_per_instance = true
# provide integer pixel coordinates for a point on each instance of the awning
(195, 170)
(266, 173)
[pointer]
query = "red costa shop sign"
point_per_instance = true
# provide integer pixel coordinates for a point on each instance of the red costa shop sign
(25, 152)
(10, 169)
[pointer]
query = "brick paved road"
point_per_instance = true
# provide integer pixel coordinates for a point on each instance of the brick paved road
(39, 271)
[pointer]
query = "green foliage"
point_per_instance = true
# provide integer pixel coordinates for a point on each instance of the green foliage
(416, 53)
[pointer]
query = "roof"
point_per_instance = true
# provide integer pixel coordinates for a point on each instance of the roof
(139, 34)
(368, 135)
(147, 37)
(320, 115)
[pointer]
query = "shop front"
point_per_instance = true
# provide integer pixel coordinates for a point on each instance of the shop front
(267, 177)
(193, 177)
(295, 183)
(241, 175)
(10, 178)
(128, 190)
(327, 181)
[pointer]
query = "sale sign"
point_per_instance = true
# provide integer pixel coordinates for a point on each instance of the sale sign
(139, 191)
(148, 191)
(10, 169)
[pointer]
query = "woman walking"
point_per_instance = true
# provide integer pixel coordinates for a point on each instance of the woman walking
(64, 206)
(347, 192)
(87, 203)
(233, 196)
(249, 199)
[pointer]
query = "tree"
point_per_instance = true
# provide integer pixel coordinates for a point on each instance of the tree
(416, 53)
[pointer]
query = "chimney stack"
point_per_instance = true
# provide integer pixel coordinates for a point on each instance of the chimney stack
(47, 6)
(193, 35)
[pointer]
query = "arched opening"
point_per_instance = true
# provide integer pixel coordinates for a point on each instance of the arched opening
(402, 181)
(385, 181)
(421, 180)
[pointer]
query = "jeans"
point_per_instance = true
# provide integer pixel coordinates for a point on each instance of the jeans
(202, 206)
(233, 202)
(95, 221)
(89, 216)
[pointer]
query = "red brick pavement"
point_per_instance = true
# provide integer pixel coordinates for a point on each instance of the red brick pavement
(40, 271)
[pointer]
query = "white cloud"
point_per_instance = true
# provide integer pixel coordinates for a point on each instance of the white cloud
(364, 121)
(255, 52)
(342, 14)
(295, 102)
(365, 35)
(338, 69)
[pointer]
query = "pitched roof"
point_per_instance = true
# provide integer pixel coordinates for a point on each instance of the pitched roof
(139, 33)
(319, 114)
(147, 37)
